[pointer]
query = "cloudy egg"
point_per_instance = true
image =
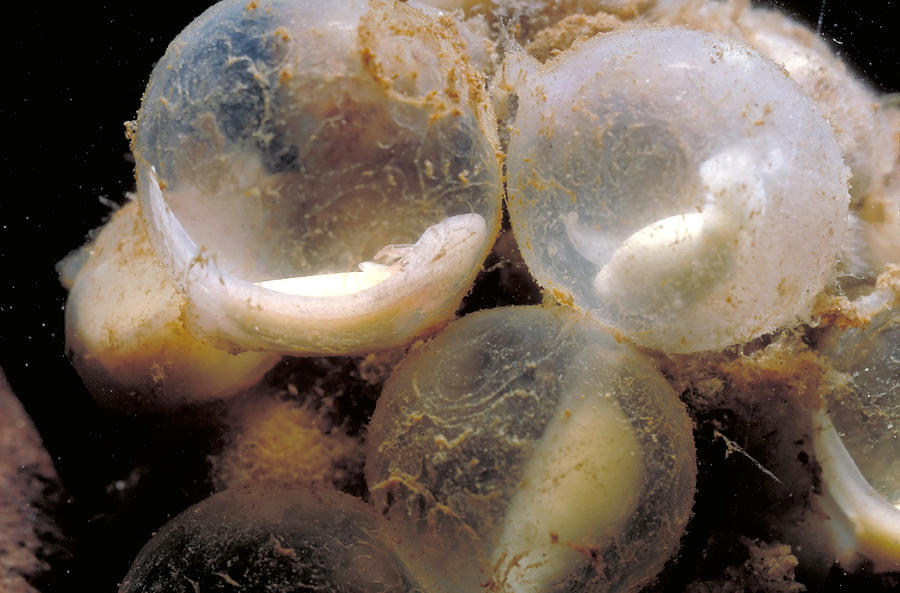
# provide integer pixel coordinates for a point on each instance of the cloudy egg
(676, 185)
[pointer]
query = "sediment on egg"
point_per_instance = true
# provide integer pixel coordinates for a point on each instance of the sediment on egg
(277, 174)
(866, 128)
(125, 335)
(707, 213)
(486, 440)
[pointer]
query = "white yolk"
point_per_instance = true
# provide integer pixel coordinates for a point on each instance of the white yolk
(581, 484)
(327, 285)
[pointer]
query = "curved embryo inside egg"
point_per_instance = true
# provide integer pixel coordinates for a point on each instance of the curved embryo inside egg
(677, 185)
(864, 404)
(294, 149)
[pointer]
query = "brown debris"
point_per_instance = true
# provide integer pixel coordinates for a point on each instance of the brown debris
(769, 568)
(561, 36)
(281, 441)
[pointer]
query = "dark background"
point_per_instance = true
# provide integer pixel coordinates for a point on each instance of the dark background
(73, 75)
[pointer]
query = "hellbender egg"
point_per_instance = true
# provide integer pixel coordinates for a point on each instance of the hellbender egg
(318, 177)
(526, 449)
(855, 440)
(279, 539)
(865, 404)
(677, 186)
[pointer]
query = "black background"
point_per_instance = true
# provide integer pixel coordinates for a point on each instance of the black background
(73, 75)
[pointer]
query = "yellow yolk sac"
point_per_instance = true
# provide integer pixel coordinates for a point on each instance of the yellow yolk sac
(318, 178)
(527, 450)
(125, 334)
(676, 185)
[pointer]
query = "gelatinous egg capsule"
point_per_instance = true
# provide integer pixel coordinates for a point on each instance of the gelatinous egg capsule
(124, 331)
(857, 443)
(528, 449)
(270, 538)
(318, 178)
(676, 185)
(866, 409)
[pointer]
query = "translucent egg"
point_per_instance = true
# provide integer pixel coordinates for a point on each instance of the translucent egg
(865, 408)
(526, 449)
(268, 538)
(851, 523)
(318, 177)
(677, 186)
(855, 437)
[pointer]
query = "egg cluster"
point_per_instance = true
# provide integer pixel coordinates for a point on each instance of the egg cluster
(327, 178)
